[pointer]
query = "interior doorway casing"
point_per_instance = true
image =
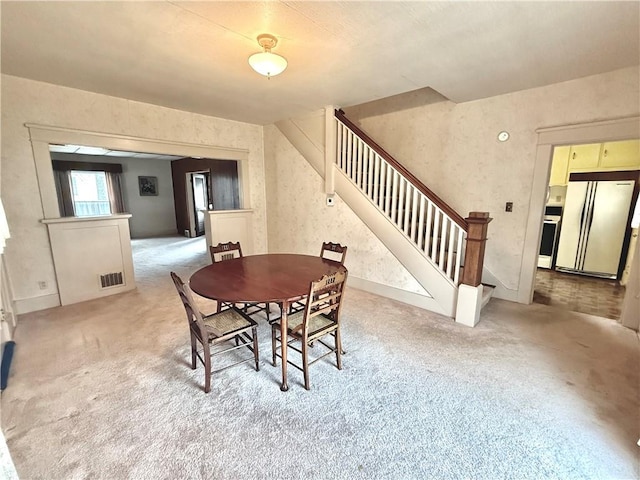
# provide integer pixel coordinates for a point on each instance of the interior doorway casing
(596, 132)
(42, 135)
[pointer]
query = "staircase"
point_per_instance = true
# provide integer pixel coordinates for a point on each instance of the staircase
(426, 235)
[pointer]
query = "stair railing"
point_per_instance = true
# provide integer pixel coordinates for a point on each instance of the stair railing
(436, 230)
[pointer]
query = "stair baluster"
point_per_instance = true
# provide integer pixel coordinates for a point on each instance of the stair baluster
(433, 227)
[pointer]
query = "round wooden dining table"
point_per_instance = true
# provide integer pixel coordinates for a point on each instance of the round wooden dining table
(280, 278)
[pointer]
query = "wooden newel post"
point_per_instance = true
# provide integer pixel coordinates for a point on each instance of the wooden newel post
(476, 240)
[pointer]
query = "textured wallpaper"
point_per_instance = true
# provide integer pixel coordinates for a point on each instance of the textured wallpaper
(453, 148)
(299, 220)
(28, 253)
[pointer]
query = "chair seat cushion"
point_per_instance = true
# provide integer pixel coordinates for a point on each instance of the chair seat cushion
(226, 322)
(318, 325)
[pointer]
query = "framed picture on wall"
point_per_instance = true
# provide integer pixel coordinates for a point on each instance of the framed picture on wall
(148, 186)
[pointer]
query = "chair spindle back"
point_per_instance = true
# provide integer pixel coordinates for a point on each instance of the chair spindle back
(194, 316)
(225, 251)
(336, 248)
(325, 298)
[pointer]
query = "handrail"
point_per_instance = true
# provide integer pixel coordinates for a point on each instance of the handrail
(340, 115)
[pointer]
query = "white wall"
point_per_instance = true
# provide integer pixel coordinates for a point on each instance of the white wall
(28, 253)
(151, 215)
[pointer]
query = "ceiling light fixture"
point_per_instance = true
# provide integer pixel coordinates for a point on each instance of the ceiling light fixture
(267, 63)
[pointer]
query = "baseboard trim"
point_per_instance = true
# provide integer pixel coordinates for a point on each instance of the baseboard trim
(33, 304)
(410, 298)
(504, 293)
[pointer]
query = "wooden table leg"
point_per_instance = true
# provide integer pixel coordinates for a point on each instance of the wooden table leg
(284, 337)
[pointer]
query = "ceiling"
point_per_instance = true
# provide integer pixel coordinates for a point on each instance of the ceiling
(193, 55)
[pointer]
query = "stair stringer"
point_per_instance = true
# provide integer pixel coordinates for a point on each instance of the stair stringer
(442, 291)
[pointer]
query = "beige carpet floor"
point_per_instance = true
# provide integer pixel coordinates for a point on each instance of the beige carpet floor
(103, 389)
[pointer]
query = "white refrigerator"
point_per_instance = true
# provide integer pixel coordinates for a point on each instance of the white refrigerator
(594, 223)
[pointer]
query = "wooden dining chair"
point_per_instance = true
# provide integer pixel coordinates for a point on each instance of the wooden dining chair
(320, 318)
(209, 331)
(329, 249)
(229, 251)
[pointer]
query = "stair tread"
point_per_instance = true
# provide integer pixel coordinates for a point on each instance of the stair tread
(487, 293)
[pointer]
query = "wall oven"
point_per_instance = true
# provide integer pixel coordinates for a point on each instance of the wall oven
(549, 241)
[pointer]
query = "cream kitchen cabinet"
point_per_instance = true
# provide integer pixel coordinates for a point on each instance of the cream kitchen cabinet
(605, 157)
(620, 155)
(584, 157)
(593, 157)
(560, 166)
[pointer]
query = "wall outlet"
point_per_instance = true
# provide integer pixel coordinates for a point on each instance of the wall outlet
(330, 201)
(508, 207)
(42, 285)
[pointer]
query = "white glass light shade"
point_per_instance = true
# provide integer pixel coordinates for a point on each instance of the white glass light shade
(267, 63)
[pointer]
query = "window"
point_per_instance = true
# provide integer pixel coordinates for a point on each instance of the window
(88, 189)
(89, 194)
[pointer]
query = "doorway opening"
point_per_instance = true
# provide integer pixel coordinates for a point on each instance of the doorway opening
(202, 184)
(199, 203)
(42, 137)
(587, 237)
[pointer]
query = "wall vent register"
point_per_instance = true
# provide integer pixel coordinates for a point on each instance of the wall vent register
(111, 279)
